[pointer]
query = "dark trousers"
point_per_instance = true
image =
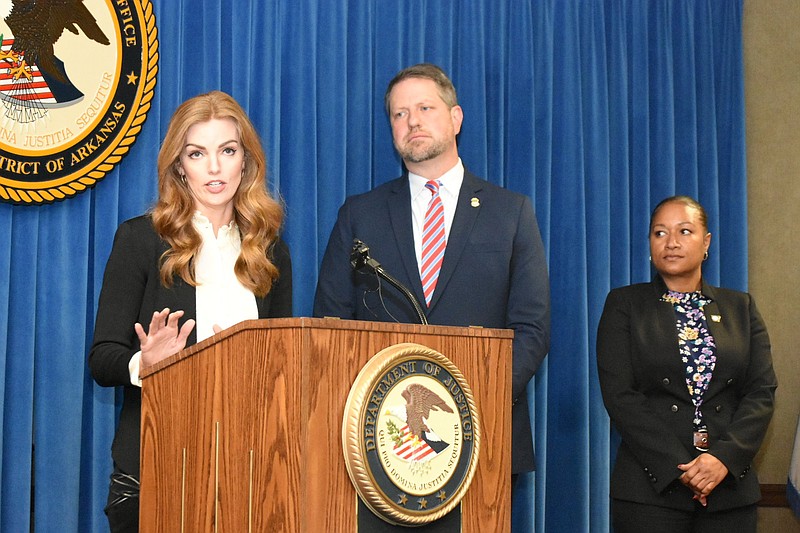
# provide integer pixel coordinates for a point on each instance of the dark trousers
(122, 508)
(631, 517)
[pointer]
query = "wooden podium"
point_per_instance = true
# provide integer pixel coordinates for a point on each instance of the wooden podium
(243, 431)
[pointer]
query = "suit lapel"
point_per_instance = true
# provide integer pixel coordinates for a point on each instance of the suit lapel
(184, 296)
(180, 296)
(661, 329)
(463, 223)
(716, 328)
(398, 205)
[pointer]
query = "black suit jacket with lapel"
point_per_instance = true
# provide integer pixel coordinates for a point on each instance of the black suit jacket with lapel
(643, 382)
(494, 275)
(132, 292)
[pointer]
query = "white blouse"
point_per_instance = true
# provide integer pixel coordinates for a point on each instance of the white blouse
(221, 298)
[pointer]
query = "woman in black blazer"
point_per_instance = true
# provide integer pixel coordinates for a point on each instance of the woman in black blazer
(686, 375)
(207, 256)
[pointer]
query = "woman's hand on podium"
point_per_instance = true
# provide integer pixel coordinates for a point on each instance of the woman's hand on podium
(163, 337)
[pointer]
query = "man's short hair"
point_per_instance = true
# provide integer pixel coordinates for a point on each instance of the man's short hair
(427, 71)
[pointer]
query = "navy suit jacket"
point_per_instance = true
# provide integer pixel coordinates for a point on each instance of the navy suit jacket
(132, 292)
(643, 382)
(494, 275)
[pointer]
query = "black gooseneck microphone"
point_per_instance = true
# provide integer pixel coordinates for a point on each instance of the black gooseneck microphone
(360, 259)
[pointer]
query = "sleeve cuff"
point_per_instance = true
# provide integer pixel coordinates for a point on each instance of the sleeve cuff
(133, 367)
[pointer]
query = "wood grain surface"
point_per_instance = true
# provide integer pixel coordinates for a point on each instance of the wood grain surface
(257, 411)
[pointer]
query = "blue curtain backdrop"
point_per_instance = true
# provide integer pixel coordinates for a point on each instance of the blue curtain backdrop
(596, 109)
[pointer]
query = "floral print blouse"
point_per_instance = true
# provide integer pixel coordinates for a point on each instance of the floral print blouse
(696, 345)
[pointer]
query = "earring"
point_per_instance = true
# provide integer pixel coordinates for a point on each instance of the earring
(705, 256)
(650, 258)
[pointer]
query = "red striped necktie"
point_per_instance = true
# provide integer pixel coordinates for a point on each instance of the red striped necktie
(433, 242)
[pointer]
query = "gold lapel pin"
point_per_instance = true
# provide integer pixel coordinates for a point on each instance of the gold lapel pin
(716, 318)
(475, 202)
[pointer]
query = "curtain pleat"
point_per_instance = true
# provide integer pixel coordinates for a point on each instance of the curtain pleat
(63, 240)
(595, 109)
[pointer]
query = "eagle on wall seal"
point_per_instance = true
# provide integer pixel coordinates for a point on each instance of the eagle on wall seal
(76, 81)
(29, 58)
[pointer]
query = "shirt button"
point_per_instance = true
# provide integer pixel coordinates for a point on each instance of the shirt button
(674, 408)
(665, 381)
(718, 409)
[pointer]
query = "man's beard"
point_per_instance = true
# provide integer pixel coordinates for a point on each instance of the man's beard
(418, 154)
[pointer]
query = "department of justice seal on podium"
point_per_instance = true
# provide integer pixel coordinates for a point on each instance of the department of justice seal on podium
(411, 435)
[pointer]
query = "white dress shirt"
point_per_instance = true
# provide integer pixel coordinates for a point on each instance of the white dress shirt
(449, 186)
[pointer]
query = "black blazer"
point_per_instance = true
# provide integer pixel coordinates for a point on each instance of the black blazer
(494, 275)
(131, 292)
(643, 383)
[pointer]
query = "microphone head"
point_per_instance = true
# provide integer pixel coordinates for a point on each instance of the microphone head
(359, 255)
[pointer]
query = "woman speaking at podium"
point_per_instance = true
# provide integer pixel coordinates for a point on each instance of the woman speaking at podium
(207, 256)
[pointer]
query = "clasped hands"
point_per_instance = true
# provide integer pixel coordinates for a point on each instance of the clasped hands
(163, 337)
(702, 475)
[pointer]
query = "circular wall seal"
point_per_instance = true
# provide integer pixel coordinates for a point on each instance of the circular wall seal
(75, 86)
(411, 435)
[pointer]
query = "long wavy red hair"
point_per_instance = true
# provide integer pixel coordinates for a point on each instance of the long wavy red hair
(257, 214)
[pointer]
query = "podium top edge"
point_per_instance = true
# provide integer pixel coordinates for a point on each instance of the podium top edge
(329, 323)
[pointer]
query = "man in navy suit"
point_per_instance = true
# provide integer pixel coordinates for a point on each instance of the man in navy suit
(494, 272)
